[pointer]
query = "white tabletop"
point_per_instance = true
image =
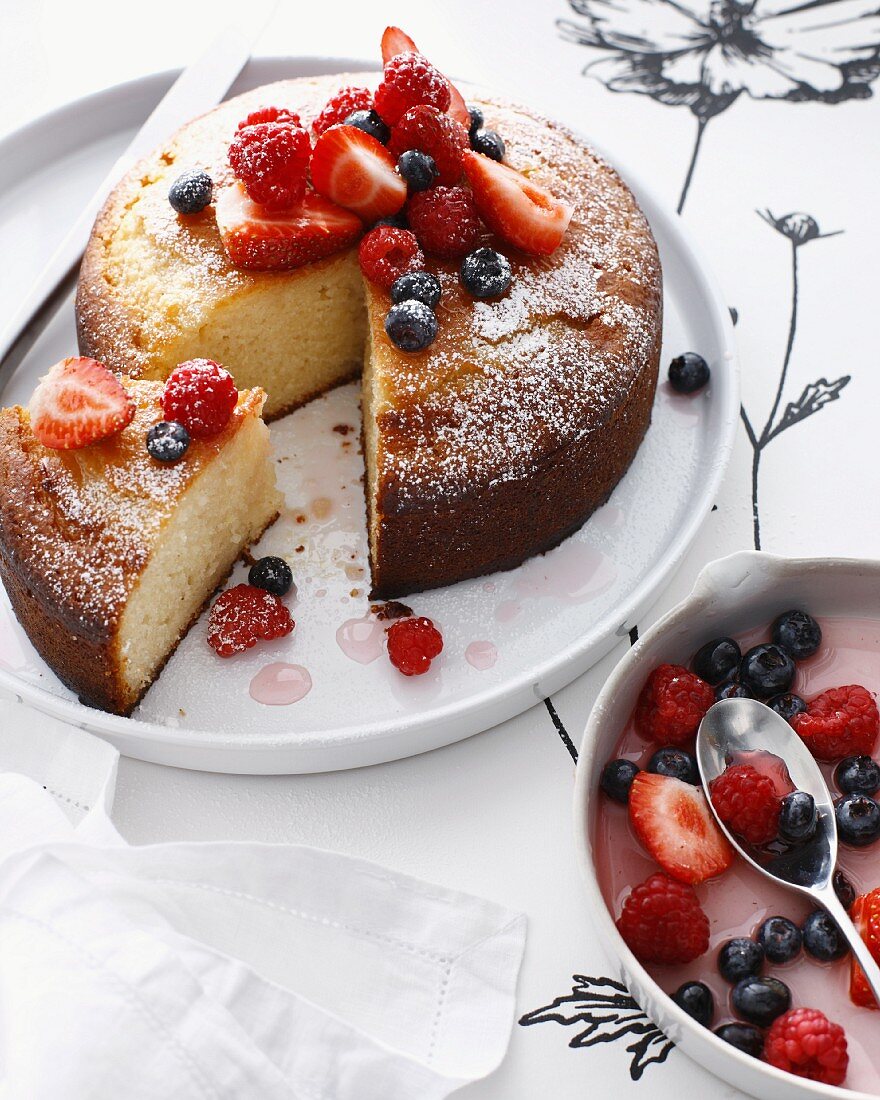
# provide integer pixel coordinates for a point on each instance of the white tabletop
(492, 815)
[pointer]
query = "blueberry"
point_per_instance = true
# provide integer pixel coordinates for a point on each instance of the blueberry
(476, 119)
(716, 660)
(396, 221)
(191, 192)
(418, 169)
(744, 1037)
(846, 892)
(798, 632)
(167, 441)
(797, 817)
(781, 939)
(767, 670)
(688, 373)
(858, 819)
(787, 705)
(272, 574)
(617, 777)
(411, 325)
(485, 273)
(697, 1001)
(760, 1000)
(489, 143)
(822, 938)
(740, 958)
(420, 285)
(370, 123)
(731, 689)
(676, 763)
(857, 775)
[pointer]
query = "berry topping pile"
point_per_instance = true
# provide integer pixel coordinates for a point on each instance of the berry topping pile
(77, 403)
(243, 616)
(200, 395)
(413, 644)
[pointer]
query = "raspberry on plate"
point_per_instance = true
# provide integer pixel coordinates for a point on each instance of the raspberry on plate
(413, 644)
(243, 616)
(386, 253)
(865, 915)
(347, 100)
(408, 80)
(747, 803)
(272, 160)
(840, 722)
(441, 137)
(671, 705)
(663, 922)
(77, 403)
(806, 1043)
(200, 395)
(445, 220)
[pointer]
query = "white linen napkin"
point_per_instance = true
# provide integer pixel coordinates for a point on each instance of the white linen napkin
(225, 970)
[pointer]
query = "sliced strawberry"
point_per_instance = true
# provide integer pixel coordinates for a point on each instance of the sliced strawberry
(262, 240)
(524, 213)
(356, 171)
(457, 108)
(395, 41)
(77, 403)
(673, 821)
(865, 915)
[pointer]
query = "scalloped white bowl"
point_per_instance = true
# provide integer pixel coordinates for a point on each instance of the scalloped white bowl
(731, 595)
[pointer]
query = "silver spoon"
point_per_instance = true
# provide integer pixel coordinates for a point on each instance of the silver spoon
(735, 726)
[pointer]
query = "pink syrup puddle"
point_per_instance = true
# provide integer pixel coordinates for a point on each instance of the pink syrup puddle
(280, 684)
(685, 408)
(573, 572)
(609, 517)
(363, 640)
(481, 655)
(507, 610)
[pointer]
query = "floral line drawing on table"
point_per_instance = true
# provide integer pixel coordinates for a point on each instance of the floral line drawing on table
(605, 1012)
(799, 229)
(703, 54)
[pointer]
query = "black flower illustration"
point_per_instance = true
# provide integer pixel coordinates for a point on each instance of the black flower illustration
(704, 54)
(604, 1012)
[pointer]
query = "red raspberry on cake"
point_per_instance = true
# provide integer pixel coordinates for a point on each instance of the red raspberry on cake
(671, 705)
(441, 137)
(395, 41)
(413, 644)
(272, 160)
(806, 1043)
(840, 722)
(243, 616)
(445, 220)
(386, 253)
(663, 922)
(270, 114)
(747, 803)
(865, 915)
(347, 100)
(408, 80)
(77, 403)
(200, 395)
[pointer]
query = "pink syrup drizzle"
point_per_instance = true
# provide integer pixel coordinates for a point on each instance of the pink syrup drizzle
(363, 640)
(573, 572)
(481, 654)
(280, 684)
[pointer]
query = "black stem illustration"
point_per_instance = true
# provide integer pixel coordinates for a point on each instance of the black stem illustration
(701, 127)
(561, 730)
(792, 329)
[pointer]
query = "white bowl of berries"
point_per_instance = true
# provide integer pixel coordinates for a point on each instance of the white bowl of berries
(745, 975)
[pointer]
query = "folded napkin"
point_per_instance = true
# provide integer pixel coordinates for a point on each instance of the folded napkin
(225, 970)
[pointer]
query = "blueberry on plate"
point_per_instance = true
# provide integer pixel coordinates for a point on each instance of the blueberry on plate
(798, 633)
(822, 937)
(740, 958)
(485, 273)
(716, 660)
(767, 670)
(688, 373)
(411, 325)
(846, 892)
(167, 441)
(697, 1001)
(476, 119)
(675, 763)
(418, 169)
(272, 574)
(745, 1037)
(732, 689)
(787, 705)
(421, 285)
(489, 143)
(857, 775)
(780, 938)
(798, 817)
(858, 819)
(617, 778)
(760, 1000)
(191, 192)
(370, 123)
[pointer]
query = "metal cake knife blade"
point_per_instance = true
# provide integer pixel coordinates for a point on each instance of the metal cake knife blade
(199, 87)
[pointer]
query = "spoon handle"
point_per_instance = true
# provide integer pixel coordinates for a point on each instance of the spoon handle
(860, 949)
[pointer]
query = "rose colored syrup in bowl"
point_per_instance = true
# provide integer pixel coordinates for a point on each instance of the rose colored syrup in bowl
(738, 901)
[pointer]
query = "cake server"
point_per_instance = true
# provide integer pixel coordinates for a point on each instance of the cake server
(733, 727)
(199, 87)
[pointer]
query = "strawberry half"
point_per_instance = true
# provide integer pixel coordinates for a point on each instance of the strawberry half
(865, 915)
(395, 41)
(523, 213)
(77, 403)
(356, 171)
(263, 240)
(673, 821)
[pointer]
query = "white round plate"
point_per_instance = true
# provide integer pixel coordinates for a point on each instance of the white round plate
(549, 620)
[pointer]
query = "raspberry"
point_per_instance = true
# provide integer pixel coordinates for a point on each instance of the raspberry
(671, 705)
(272, 160)
(270, 114)
(840, 722)
(412, 645)
(747, 803)
(410, 79)
(200, 395)
(806, 1043)
(347, 100)
(387, 253)
(244, 615)
(662, 922)
(445, 220)
(441, 137)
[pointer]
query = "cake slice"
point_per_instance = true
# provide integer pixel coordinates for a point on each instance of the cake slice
(108, 556)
